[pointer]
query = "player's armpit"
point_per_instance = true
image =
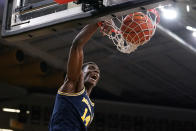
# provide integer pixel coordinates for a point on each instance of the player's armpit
(70, 86)
(67, 87)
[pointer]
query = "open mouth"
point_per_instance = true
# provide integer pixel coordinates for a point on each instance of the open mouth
(94, 77)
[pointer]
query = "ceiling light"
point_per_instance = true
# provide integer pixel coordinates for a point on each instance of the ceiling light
(161, 7)
(11, 110)
(191, 28)
(188, 8)
(6, 129)
(194, 34)
(169, 13)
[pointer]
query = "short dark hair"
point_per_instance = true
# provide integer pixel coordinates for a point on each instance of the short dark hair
(88, 63)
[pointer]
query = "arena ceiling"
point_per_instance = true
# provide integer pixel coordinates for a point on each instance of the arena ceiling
(162, 72)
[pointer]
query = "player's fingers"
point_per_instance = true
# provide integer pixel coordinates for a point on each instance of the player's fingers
(102, 32)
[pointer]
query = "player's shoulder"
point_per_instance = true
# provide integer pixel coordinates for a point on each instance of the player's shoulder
(72, 86)
(68, 93)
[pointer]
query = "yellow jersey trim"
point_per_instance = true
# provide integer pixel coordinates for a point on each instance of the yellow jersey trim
(93, 104)
(71, 94)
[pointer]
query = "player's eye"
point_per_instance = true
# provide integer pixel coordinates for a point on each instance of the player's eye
(91, 67)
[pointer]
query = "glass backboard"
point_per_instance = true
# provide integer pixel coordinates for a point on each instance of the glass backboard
(21, 16)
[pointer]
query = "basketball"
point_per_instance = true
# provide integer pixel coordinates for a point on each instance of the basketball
(137, 28)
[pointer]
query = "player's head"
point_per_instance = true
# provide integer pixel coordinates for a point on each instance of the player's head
(91, 73)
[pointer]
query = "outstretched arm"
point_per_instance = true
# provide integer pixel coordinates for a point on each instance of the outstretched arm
(75, 61)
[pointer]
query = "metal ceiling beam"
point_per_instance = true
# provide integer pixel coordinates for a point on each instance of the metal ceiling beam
(176, 38)
(35, 52)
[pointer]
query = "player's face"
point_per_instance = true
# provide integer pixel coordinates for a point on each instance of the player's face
(91, 74)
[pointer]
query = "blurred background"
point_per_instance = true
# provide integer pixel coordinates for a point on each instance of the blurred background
(151, 89)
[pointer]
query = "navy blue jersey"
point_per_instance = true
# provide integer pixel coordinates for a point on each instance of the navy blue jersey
(72, 112)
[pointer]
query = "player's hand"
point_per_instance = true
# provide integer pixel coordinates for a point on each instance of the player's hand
(106, 27)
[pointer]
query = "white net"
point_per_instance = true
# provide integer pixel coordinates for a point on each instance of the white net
(130, 31)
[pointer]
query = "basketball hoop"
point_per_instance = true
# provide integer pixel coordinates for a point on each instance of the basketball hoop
(131, 31)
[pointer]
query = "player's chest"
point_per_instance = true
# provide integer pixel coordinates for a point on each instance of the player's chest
(86, 111)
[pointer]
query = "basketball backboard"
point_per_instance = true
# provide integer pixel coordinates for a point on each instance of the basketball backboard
(21, 16)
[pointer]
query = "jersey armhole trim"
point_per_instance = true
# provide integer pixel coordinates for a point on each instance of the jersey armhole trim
(92, 103)
(71, 94)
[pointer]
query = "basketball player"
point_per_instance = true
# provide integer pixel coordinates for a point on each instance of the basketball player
(73, 109)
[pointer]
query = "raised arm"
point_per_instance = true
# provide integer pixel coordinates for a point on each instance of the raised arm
(75, 61)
